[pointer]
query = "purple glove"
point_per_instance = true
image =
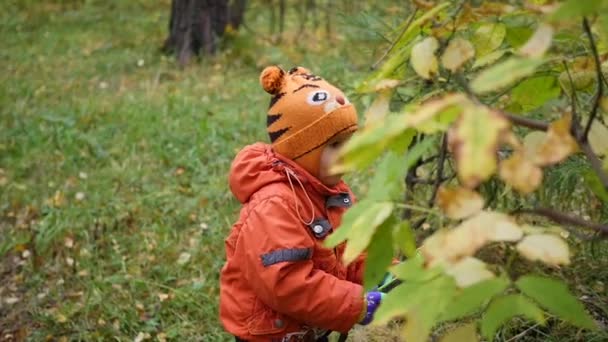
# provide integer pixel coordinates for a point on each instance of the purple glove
(373, 300)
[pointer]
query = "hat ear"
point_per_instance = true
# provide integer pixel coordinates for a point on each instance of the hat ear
(272, 79)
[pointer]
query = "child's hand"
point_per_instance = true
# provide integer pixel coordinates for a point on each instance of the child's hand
(372, 301)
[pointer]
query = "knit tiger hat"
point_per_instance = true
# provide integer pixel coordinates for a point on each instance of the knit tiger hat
(305, 112)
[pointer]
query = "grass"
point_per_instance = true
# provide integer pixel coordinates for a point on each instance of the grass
(113, 167)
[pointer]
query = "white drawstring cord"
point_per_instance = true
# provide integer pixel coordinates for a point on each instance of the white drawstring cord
(290, 173)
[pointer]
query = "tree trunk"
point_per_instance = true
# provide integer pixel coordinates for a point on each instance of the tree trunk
(198, 25)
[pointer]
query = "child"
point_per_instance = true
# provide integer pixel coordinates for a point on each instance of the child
(279, 282)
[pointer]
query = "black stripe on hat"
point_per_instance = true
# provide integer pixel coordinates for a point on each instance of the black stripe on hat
(272, 118)
(275, 98)
(277, 134)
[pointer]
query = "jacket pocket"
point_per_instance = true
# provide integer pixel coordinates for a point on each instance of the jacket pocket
(266, 321)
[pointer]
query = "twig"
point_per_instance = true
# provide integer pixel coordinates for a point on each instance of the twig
(600, 84)
(407, 26)
(563, 219)
(523, 333)
(519, 120)
(574, 101)
(513, 118)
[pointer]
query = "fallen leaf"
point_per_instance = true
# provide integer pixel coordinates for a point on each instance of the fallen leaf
(423, 58)
(11, 300)
(458, 52)
(163, 296)
(539, 43)
(458, 202)
(183, 258)
(547, 248)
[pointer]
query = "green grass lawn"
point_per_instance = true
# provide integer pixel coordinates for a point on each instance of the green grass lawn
(114, 200)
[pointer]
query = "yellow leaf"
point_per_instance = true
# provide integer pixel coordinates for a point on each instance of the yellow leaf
(547, 248)
(520, 173)
(429, 110)
(539, 43)
(468, 271)
(474, 140)
(532, 142)
(458, 202)
(458, 52)
(463, 333)
(386, 84)
(423, 58)
(449, 246)
(558, 143)
(598, 138)
(378, 109)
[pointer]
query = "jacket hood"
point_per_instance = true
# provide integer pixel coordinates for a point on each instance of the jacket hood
(257, 166)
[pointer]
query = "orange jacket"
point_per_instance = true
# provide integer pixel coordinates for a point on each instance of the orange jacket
(279, 280)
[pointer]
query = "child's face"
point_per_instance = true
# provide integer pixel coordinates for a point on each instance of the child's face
(329, 157)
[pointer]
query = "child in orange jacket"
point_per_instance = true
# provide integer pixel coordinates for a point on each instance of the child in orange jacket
(279, 282)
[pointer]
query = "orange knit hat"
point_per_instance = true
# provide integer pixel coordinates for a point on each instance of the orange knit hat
(305, 112)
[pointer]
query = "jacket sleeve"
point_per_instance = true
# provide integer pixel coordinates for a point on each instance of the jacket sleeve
(276, 252)
(356, 268)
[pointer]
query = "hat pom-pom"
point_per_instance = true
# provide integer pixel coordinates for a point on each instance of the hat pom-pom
(272, 78)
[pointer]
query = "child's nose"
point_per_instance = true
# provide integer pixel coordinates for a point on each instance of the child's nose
(340, 99)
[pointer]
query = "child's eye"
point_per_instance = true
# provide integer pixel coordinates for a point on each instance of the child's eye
(317, 97)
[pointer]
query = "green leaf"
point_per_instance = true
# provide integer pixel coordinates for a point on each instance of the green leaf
(595, 184)
(422, 316)
(554, 296)
(517, 36)
(402, 49)
(572, 9)
(368, 144)
(379, 255)
(464, 333)
(488, 37)
(386, 184)
(404, 239)
(362, 229)
(471, 299)
(534, 92)
(412, 270)
(420, 302)
(348, 221)
(489, 58)
(504, 74)
(502, 309)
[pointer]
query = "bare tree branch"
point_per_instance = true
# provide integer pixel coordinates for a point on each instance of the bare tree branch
(600, 84)
(564, 219)
(519, 120)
